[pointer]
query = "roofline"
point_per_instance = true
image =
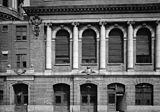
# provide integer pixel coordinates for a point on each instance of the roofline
(93, 9)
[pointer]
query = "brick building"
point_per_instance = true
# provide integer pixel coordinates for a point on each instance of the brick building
(80, 56)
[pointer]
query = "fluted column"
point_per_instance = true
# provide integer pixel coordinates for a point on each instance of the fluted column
(75, 46)
(49, 48)
(130, 47)
(102, 46)
(158, 46)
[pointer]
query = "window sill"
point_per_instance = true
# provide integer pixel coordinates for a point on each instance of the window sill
(144, 64)
(89, 64)
(65, 64)
(21, 40)
(115, 64)
(4, 31)
(111, 104)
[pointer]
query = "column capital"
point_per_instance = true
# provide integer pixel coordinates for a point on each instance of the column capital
(75, 23)
(130, 22)
(102, 23)
(48, 24)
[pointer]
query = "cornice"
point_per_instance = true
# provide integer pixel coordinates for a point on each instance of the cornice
(8, 14)
(93, 9)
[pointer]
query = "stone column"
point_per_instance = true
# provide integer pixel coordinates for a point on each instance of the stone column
(102, 46)
(49, 48)
(130, 47)
(158, 46)
(75, 46)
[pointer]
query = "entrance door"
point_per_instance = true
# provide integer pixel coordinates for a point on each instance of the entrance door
(116, 97)
(61, 98)
(21, 97)
(88, 98)
(119, 103)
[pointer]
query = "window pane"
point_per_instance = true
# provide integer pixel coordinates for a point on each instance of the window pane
(5, 28)
(1, 96)
(21, 32)
(111, 98)
(18, 37)
(21, 60)
(24, 64)
(24, 38)
(84, 99)
(58, 99)
(93, 99)
(5, 3)
(26, 99)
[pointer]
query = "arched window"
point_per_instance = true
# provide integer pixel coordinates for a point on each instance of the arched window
(89, 47)
(62, 48)
(144, 94)
(115, 49)
(143, 46)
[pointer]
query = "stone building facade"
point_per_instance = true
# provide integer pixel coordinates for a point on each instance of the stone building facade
(81, 56)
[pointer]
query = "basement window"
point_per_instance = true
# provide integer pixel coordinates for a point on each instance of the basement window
(5, 28)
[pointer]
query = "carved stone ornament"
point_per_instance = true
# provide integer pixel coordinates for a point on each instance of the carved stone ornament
(36, 21)
(88, 71)
(20, 71)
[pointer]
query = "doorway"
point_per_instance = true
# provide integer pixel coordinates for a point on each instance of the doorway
(21, 97)
(116, 97)
(88, 98)
(61, 98)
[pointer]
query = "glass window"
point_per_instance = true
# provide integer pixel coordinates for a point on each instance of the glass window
(5, 28)
(84, 99)
(143, 46)
(5, 3)
(21, 60)
(58, 99)
(115, 49)
(144, 94)
(62, 47)
(21, 32)
(111, 98)
(1, 96)
(89, 47)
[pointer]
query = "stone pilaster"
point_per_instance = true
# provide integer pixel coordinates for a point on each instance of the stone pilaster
(49, 48)
(75, 46)
(130, 64)
(102, 46)
(158, 46)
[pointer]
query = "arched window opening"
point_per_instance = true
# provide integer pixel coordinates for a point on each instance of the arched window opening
(62, 47)
(89, 47)
(61, 97)
(115, 49)
(116, 97)
(88, 97)
(21, 94)
(144, 94)
(143, 46)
